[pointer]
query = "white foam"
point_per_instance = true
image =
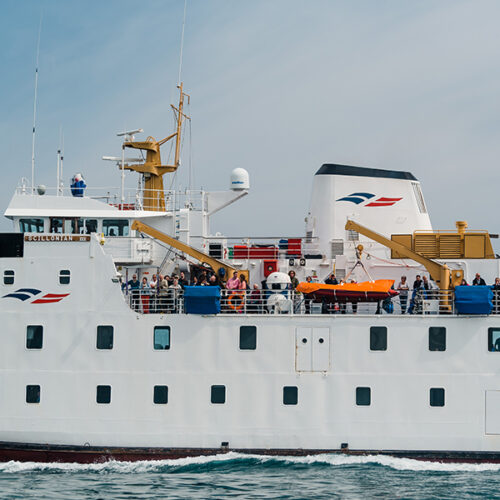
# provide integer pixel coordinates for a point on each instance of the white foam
(335, 460)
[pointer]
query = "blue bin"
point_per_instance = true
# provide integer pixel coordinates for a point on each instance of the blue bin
(473, 299)
(202, 299)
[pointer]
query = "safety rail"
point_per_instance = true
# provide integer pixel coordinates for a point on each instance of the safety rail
(256, 301)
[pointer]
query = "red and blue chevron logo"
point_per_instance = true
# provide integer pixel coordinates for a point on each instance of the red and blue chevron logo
(359, 198)
(24, 294)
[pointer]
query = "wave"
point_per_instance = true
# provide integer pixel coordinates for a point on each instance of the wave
(233, 460)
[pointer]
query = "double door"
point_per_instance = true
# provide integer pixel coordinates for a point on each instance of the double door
(312, 349)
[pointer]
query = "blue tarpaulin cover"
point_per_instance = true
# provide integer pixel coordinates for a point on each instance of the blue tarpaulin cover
(473, 299)
(202, 299)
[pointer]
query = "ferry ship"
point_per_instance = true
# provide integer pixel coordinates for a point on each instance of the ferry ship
(94, 368)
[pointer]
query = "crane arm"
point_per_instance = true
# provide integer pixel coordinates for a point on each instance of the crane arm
(440, 273)
(215, 264)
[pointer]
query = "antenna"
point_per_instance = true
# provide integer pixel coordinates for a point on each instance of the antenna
(34, 109)
(182, 43)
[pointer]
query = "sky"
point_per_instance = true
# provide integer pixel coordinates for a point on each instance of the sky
(277, 87)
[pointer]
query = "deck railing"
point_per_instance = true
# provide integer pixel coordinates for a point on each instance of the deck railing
(417, 302)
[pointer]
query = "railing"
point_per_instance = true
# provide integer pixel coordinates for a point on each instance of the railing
(417, 302)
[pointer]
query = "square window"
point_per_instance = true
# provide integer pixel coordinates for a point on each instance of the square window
(248, 337)
(218, 394)
(363, 396)
(104, 337)
(494, 339)
(161, 338)
(8, 277)
(160, 395)
(103, 395)
(34, 337)
(290, 395)
(64, 277)
(32, 394)
(436, 396)
(378, 338)
(437, 338)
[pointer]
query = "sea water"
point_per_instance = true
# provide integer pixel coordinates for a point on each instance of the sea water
(233, 475)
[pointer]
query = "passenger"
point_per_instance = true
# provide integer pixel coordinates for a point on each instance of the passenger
(194, 281)
(307, 301)
(145, 295)
(135, 286)
(182, 280)
(243, 283)
(153, 296)
(478, 281)
(329, 307)
(331, 280)
(293, 279)
(255, 300)
(203, 280)
(403, 289)
(415, 295)
(213, 281)
(163, 294)
(233, 283)
(175, 291)
(464, 282)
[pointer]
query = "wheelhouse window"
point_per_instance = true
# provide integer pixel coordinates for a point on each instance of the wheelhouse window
(161, 338)
(290, 395)
(494, 339)
(363, 396)
(64, 277)
(32, 394)
(103, 394)
(115, 227)
(8, 277)
(248, 338)
(31, 225)
(218, 394)
(378, 338)
(437, 338)
(104, 337)
(34, 337)
(160, 395)
(56, 225)
(436, 396)
(87, 226)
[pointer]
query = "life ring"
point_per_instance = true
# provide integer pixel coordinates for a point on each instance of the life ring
(235, 301)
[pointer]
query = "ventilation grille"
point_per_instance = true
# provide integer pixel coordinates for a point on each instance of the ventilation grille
(340, 274)
(419, 197)
(352, 235)
(337, 247)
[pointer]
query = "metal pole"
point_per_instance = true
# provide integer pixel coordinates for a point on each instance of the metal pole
(123, 176)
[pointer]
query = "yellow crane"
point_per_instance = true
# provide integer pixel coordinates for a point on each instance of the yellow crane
(440, 273)
(215, 264)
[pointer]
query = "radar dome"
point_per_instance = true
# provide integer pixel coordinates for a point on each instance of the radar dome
(240, 179)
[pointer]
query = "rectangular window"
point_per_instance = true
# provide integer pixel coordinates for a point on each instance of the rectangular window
(378, 338)
(248, 337)
(363, 396)
(218, 394)
(103, 394)
(31, 225)
(104, 337)
(34, 337)
(437, 338)
(90, 226)
(290, 395)
(160, 395)
(436, 396)
(8, 277)
(64, 277)
(115, 227)
(56, 225)
(32, 394)
(161, 338)
(494, 339)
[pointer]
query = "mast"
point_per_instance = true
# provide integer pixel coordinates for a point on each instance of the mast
(34, 109)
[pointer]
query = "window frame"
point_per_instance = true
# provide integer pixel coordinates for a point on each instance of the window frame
(217, 387)
(112, 338)
(430, 397)
(97, 394)
(373, 333)
(440, 328)
(26, 337)
(291, 389)
(7, 275)
(253, 333)
(169, 337)
(358, 389)
(63, 276)
(154, 394)
(491, 330)
(30, 387)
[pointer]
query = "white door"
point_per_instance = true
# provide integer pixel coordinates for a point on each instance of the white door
(321, 349)
(492, 420)
(303, 349)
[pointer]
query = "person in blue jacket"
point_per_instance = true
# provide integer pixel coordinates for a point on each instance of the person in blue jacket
(78, 186)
